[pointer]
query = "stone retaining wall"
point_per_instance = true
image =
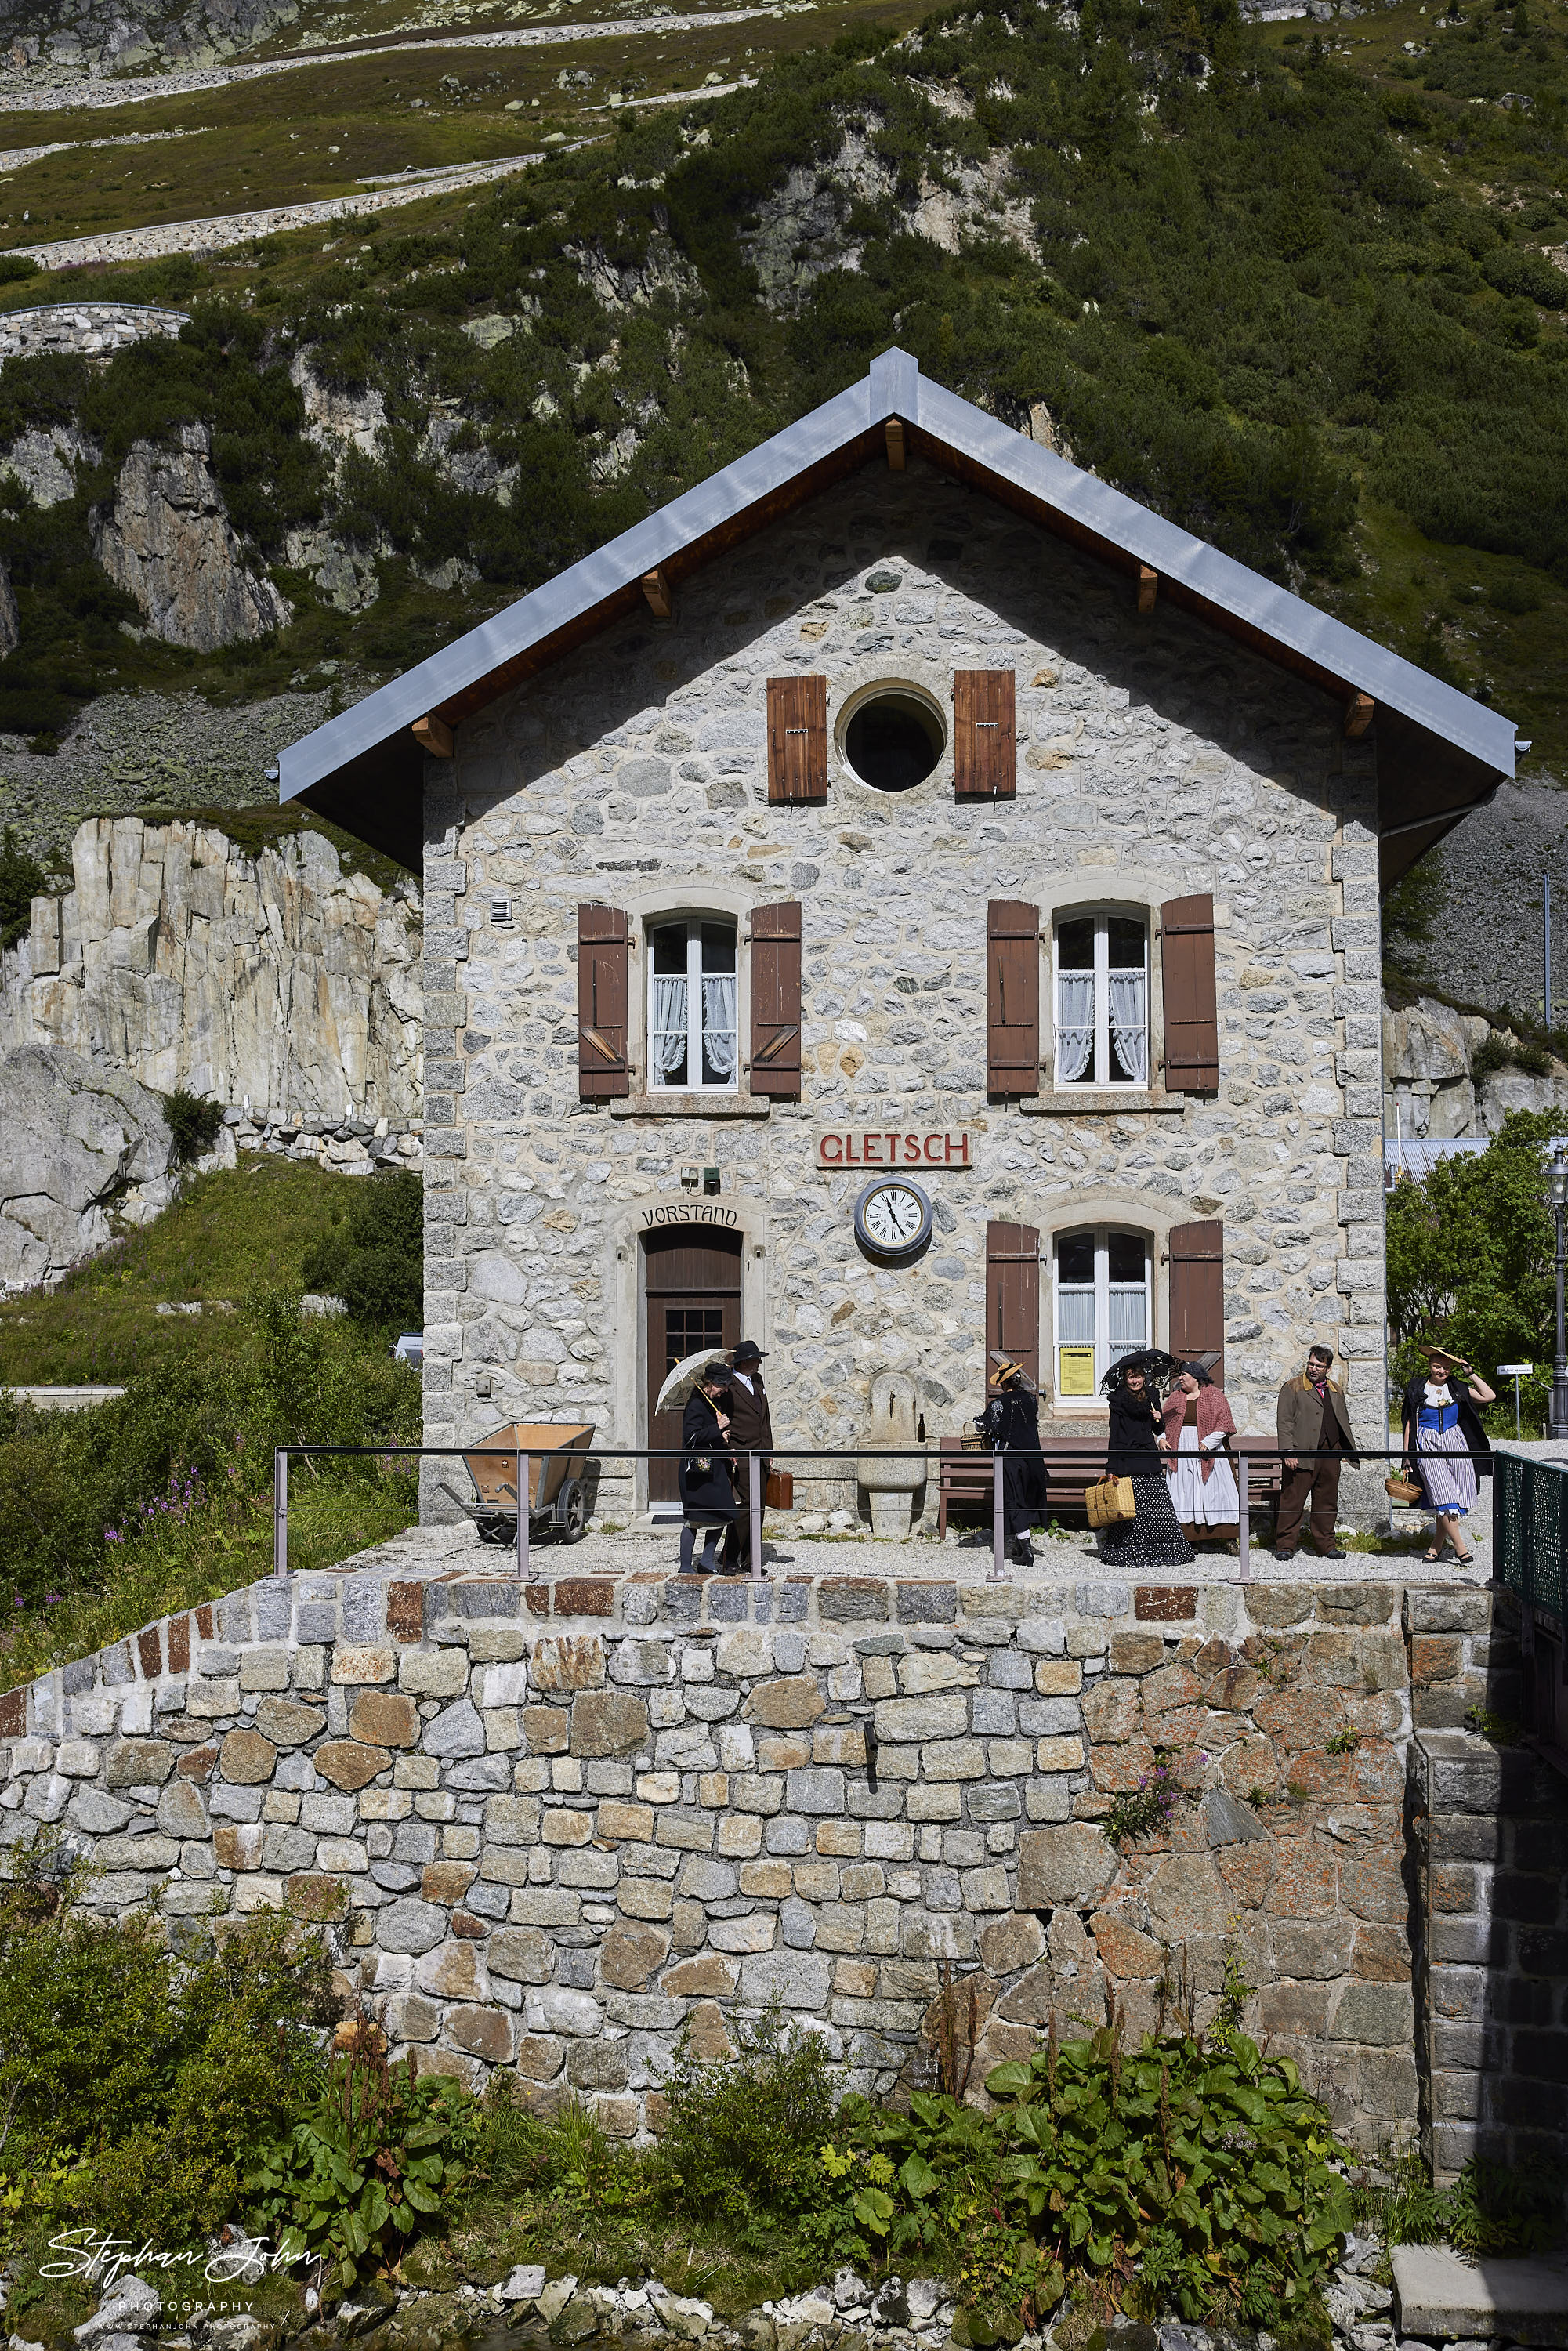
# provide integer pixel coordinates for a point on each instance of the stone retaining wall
(93, 328)
(555, 1827)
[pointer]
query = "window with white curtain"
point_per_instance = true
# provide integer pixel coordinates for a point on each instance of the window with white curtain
(1101, 1278)
(1102, 1001)
(693, 1033)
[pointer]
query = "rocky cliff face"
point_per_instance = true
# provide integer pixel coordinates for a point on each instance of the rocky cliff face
(43, 39)
(82, 1146)
(1431, 1087)
(180, 961)
(168, 542)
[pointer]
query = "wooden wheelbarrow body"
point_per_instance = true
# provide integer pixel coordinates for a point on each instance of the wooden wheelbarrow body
(557, 1459)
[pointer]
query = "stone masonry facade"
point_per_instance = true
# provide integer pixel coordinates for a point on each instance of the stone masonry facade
(1156, 757)
(557, 1827)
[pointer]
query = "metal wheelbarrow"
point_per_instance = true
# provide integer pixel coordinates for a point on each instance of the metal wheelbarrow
(558, 1499)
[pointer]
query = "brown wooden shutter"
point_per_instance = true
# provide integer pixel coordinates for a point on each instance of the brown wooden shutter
(776, 1001)
(796, 739)
(985, 739)
(1012, 997)
(1197, 1294)
(1192, 1020)
(602, 957)
(1012, 1294)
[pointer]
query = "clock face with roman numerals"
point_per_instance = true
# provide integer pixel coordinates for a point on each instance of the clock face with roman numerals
(893, 1219)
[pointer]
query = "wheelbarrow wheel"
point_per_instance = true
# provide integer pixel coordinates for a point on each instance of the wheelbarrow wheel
(572, 1524)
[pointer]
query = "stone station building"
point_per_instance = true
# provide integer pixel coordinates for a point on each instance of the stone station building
(904, 897)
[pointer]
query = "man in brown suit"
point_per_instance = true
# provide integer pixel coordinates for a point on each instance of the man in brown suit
(750, 1431)
(1312, 1418)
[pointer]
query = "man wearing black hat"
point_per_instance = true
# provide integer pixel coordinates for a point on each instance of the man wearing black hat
(750, 1431)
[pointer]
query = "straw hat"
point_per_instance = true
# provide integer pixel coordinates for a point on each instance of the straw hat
(1431, 1347)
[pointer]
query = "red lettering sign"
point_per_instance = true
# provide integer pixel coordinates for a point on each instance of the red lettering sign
(843, 1147)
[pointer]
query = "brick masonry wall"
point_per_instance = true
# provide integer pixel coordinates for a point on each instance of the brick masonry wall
(1154, 758)
(1490, 1841)
(555, 1827)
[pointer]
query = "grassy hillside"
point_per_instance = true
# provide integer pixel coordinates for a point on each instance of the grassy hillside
(113, 1517)
(1297, 290)
(228, 1235)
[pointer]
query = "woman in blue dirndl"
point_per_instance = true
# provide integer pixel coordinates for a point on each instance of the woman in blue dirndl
(1441, 1425)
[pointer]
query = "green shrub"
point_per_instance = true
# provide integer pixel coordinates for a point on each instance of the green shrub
(16, 267)
(152, 2072)
(376, 2156)
(374, 1257)
(194, 1125)
(22, 879)
(742, 2147)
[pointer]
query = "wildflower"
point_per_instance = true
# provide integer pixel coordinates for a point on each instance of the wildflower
(53, 1599)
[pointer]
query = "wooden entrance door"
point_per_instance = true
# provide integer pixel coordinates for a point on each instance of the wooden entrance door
(693, 1278)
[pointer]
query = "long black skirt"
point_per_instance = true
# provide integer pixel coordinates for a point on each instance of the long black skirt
(1153, 1539)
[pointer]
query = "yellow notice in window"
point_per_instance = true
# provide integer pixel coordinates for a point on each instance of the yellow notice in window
(1076, 1375)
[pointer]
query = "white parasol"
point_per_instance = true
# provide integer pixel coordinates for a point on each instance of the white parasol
(678, 1386)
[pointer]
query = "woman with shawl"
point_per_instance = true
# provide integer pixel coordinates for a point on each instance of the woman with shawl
(1204, 1495)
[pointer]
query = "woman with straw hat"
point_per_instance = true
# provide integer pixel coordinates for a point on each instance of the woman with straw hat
(1010, 1425)
(1441, 1422)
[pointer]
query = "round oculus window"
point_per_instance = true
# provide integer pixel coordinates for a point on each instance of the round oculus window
(894, 740)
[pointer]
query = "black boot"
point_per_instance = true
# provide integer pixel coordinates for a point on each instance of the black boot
(688, 1537)
(1024, 1551)
(710, 1558)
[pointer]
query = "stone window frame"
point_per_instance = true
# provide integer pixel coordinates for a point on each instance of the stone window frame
(645, 910)
(1131, 1212)
(851, 684)
(1121, 890)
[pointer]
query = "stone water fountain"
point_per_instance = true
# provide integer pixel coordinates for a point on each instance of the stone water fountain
(891, 1484)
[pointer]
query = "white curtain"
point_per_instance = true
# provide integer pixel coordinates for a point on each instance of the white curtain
(1074, 1024)
(669, 1025)
(1129, 1023)
(719, 1023)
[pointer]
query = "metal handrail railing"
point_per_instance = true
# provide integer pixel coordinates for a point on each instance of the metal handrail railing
(1247, 1450)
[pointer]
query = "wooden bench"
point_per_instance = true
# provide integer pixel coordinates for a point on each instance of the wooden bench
(966, 1477)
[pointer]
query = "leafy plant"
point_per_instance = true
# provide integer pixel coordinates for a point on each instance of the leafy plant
(1500, 1729)
(1146, 1808)
(1343, 1742)
(194, 1126)
(375, 2159)
(1199, 2155)
(1491, 2209)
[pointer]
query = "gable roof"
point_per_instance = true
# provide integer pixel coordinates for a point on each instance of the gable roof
(1439, 753)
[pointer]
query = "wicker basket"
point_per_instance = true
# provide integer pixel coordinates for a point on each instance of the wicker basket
(1403, 1490)
(1108, 1502)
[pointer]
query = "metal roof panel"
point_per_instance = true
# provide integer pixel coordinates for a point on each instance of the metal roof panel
(894, 387)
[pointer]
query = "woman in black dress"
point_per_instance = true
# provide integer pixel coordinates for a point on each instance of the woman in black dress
(1137, 1440)
(1010, 1425)
(707, 1489)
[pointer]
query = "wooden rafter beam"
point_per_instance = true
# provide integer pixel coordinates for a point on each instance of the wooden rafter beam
(434, 734)
(661, 596)
(895, 451)
(1358, 713)
(1148, 587)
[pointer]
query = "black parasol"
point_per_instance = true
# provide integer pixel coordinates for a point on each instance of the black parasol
(1152, 1361)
